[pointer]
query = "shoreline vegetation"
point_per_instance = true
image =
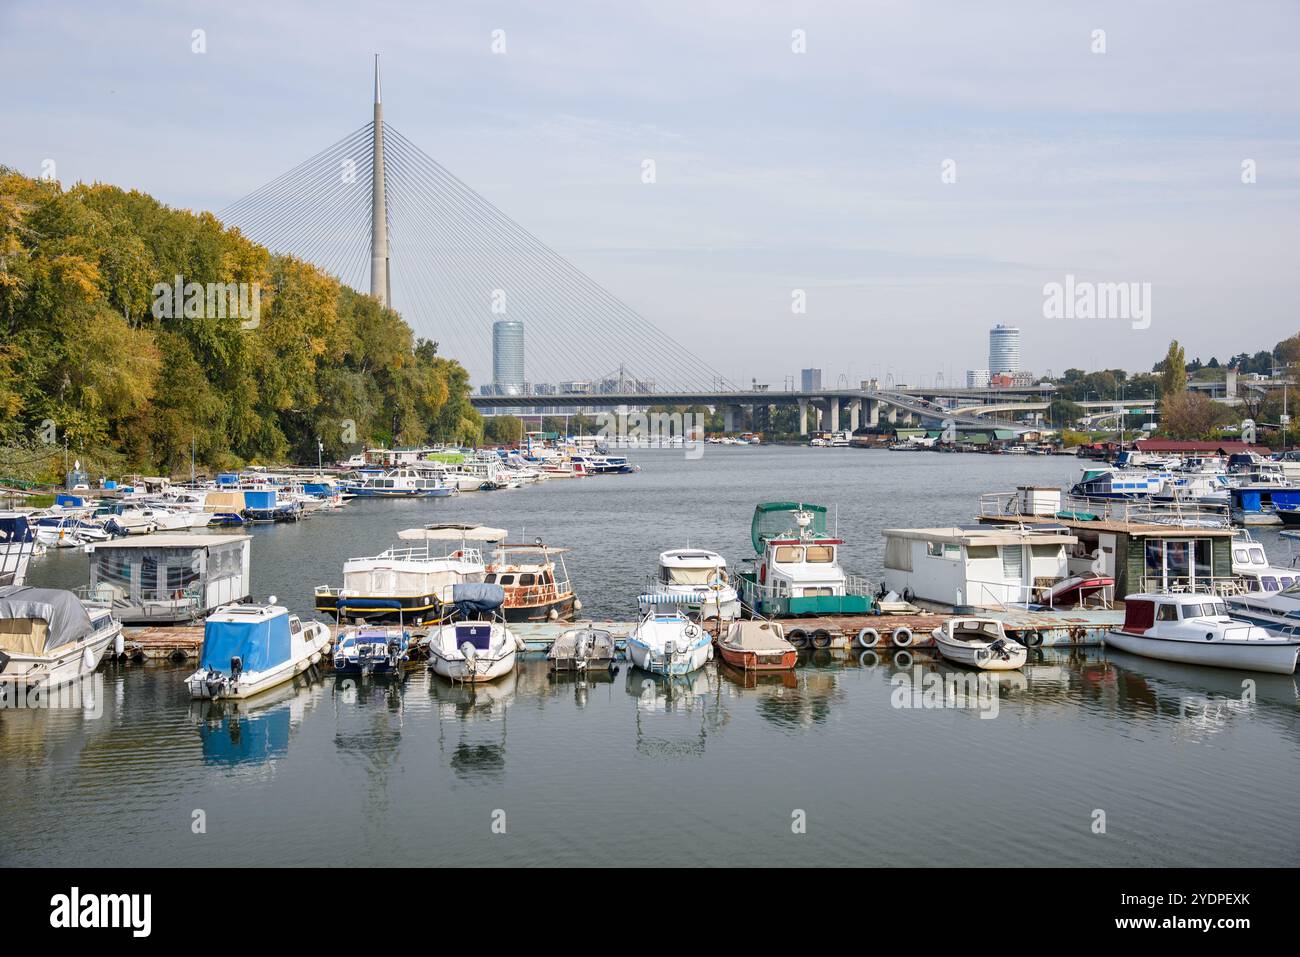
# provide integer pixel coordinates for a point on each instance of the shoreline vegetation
(97, 356)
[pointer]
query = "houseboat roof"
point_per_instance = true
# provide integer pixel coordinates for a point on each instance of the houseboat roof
(1046, 533)
(170, 541)
(452, 531)
(1137, 530)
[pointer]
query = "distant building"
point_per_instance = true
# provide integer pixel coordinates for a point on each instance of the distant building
(977, 378)
(810, 380)
(508, 356)
(1004, 349)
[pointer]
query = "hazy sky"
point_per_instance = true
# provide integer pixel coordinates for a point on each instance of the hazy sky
(776, 170)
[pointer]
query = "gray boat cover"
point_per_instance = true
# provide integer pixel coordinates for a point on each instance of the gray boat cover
(62, 611)
(477, 597)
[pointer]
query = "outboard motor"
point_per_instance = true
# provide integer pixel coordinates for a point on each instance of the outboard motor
(670, 649)
(582, 646)
(236, 669)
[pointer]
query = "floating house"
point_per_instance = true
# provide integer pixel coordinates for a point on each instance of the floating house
(169, 579)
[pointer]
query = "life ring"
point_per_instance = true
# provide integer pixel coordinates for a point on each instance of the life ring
(821, 638)
(902, 637)
(797, 637)
(1031, 639)
(868, 638)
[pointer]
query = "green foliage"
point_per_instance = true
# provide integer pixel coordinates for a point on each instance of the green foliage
(82, 347)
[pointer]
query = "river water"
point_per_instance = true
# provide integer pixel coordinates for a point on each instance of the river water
(1086, 758)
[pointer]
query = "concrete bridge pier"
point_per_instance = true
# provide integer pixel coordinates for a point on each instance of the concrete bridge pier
(835, 414)
(803, 416)
(873, 413)
(855, 414)
(729, 414)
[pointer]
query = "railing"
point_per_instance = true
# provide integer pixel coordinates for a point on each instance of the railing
(158, 603)
(421, 554)
(854, 585)
(987, 594)
(1122, 511)
(1214, 584)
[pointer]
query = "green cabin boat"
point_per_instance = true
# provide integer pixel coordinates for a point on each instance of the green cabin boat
(797, 569)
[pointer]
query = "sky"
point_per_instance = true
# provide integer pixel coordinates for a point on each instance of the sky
(920, 171)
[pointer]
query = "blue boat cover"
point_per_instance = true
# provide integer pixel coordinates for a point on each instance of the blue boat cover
(480, 636)
(259, 499)
(260, 643)
(477, 597)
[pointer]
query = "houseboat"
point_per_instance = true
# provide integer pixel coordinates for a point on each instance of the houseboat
(251, 648)
(48, 637)
(168, 579)
(797, 569)
(987, 567)
(1195, 628)
(700, 579)
(409, 584)
(1259, 504)
(536, 586)
(1119, 483)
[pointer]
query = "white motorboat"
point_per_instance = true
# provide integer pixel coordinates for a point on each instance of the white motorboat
(250, 648)
(478, 647)
(18, 543)
(667, 642)
(48, 637)
(700, 581)
(979, 643)
(1195, 628)
(367, 650)
(1277, 612)
(1251, 565)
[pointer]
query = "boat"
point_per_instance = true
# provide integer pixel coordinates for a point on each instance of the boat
(399, 483)
(979, 643)
(798, 570)
(367, 650)
(700, 580)
(1196, 628)
(48, 637)
(1251, 565)
(18, 544)
(250, 648)
(583, 649)
(667, 642)
(1288, 512)
(756, 646)
(168, 579)
(477, 647)
(1276, 611)
(1119, 483)
(409, 584)
(536, 587)
(1258, 504)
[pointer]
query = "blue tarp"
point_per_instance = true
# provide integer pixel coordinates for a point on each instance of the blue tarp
(260, 643)
(259, 499)
(477, 597)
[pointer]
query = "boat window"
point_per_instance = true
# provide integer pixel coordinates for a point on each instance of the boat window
(821, 554)
(947, 550)
(789, 553)
(816, 592)
(1269, 582)
(1219, 607)
(1287, 582)
(507, 579)
(1257, 556)
(527, 578)
(1190, 611)
(295, 626)
(1046, 551)
(981, 551)
(490, 578)
(1167, 613)
(695, 576)
(1240, 556)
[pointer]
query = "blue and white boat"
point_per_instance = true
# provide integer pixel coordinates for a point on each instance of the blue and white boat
(1119, 483)
(17, 546)
(368, 650)
(399, 483)
(665, 641)
(1259, 504)
(250, 648)
(477, 647)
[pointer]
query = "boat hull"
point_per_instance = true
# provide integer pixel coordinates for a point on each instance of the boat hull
(1273, 657)
(682, 662)
(482, 671)
(759, 661)
(70, 664)
(974, 655)
(563, 608)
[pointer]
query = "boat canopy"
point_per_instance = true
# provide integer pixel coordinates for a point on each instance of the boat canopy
(453, 532)
(777, 520)
(257, 636)
(477, 597)
(14, 529)
(39, 620)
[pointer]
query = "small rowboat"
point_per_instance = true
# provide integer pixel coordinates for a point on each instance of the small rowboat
(979, 643)
(757, 646)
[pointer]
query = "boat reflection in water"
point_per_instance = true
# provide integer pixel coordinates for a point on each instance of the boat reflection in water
(472, 724)
(254, 731)
(676, 713)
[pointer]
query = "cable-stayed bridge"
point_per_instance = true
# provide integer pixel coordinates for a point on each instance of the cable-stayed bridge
(382, 215)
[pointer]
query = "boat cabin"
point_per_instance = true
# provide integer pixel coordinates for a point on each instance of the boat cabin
(169, 579)
(692, 568)
(977, 564)
(797, 569)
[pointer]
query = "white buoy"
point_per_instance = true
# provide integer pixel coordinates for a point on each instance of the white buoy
(119, 645)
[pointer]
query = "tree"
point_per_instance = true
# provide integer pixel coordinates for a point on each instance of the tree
(1173, 377)
(1190, 415)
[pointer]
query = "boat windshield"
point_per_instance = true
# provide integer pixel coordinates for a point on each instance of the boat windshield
(692, 576)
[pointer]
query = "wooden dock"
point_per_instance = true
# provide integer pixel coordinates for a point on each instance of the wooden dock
(1061, 628)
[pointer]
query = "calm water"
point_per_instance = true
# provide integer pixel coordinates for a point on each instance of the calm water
(638, 770)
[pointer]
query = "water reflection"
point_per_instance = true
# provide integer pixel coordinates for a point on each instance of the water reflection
(256, 730)
(472, 724)
(675, 714)
(581, 682)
